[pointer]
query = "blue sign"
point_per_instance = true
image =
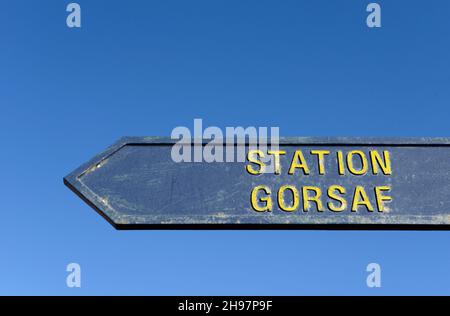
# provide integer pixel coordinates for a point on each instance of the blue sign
(302, 183)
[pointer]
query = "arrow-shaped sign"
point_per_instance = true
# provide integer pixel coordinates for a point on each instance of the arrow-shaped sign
(304, 183)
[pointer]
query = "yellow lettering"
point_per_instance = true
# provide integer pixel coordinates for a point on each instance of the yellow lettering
(377, 161)
(340, 160)
(251, 158)
(315, 198)
(332, 195)
(295, 198)
(381, 198)
(350, 165)
(321, 158)
(267, 207)
(276, 155)
(360, 198)
(298, 162)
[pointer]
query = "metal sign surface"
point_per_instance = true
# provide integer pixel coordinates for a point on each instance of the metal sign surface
(313, 183)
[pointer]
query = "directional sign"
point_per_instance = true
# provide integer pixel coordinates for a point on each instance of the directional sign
(304, 183)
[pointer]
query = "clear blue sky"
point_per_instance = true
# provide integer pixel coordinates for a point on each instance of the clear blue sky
(138, 68)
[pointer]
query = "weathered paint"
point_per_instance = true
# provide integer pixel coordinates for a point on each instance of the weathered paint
(135, 184)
